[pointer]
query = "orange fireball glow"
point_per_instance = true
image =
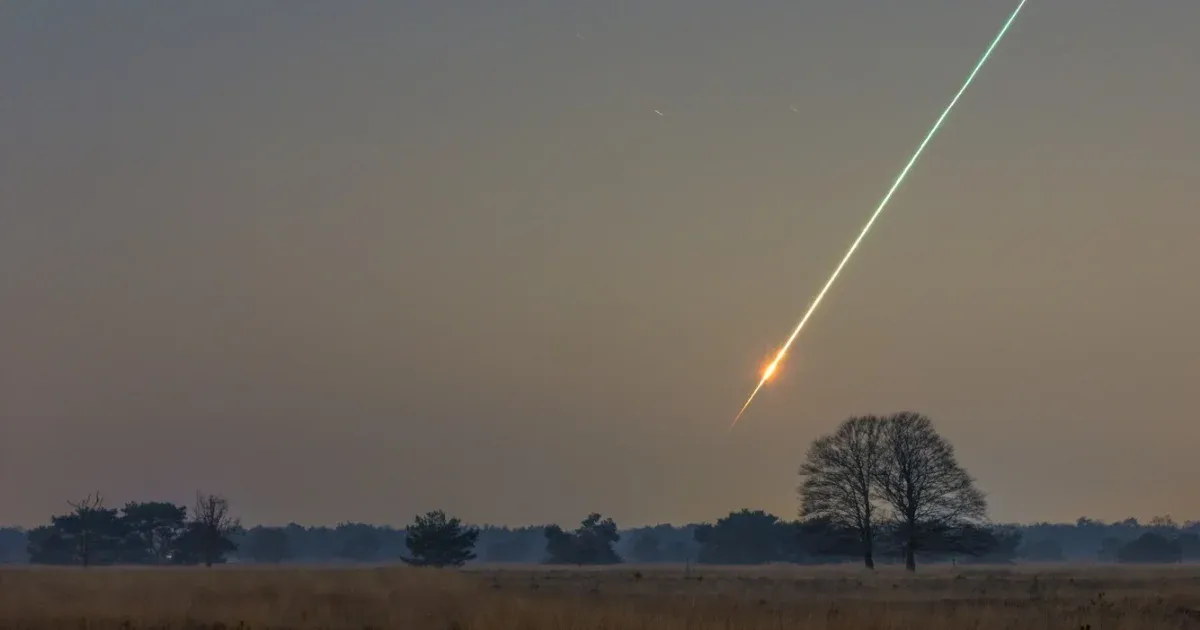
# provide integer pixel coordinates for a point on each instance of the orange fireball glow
(769, 371)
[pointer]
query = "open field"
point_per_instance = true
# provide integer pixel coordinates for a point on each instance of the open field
(535, 598)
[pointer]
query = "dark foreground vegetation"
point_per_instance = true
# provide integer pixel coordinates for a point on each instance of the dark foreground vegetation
(633, 598)
(878, 490)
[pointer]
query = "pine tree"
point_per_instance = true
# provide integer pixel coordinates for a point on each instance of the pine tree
(437, 541)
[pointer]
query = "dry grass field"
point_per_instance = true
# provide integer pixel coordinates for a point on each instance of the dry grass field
(535, 598)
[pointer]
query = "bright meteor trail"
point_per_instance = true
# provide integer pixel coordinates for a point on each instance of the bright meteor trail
(771, 368)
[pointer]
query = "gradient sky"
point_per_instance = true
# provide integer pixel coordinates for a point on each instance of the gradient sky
(354, 260)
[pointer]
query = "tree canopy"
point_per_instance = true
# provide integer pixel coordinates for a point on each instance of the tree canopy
(139, 533)
(898, 477)
(839, 480)
(591, 543)
(434, 540)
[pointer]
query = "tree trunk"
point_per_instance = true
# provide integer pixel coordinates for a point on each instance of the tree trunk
(910, 544)
(868, 550)
(869, 558)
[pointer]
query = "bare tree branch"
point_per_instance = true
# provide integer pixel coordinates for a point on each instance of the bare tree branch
(920, 479)
(85, 513)
(213, 526)
(838, 479)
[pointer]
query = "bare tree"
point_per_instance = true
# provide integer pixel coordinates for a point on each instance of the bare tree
(838, 480)
(920, 479)
(211, 528)
(83, 521)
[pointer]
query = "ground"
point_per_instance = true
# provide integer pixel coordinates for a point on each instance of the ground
(535, 598)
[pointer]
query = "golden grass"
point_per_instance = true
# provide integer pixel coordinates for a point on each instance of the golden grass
(535, 598)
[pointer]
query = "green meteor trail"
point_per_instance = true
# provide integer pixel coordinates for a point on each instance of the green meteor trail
(770, 369)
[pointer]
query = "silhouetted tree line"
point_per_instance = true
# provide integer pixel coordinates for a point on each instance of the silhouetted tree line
(1161, 540)
(724, 542)
(138, 533)
(876, 490)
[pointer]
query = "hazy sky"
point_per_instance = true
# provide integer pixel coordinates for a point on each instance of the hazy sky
(355, 260)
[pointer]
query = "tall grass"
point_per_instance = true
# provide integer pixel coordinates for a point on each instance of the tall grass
(1057, 598)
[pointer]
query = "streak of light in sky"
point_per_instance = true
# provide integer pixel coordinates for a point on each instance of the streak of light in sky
(770, 369)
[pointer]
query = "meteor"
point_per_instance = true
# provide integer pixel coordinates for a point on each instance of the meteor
(771, 368)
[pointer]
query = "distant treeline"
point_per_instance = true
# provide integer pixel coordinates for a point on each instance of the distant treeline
(879, 489)
(745, 537)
